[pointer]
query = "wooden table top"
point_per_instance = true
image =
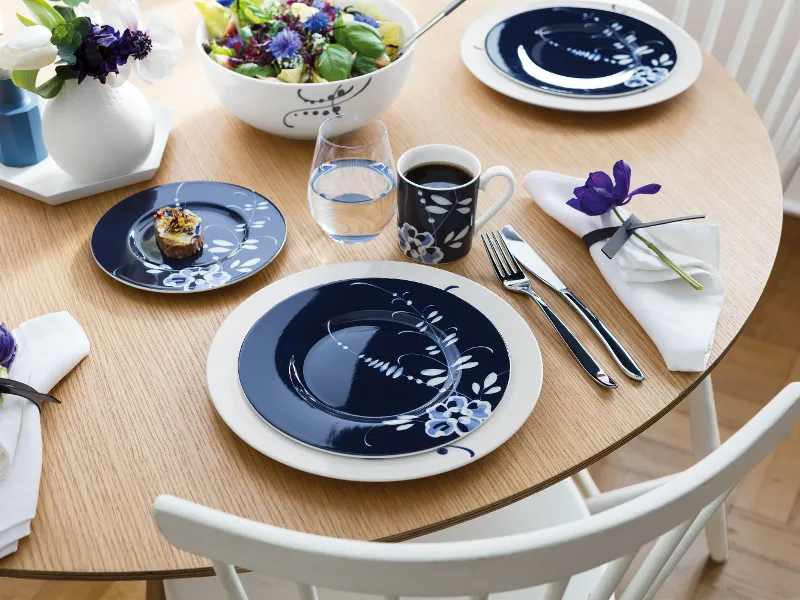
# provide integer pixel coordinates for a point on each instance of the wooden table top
(115, 444)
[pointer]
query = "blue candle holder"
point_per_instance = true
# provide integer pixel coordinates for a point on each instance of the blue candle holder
(21, 142)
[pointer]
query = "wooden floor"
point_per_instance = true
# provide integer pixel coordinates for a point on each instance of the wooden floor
(764, 510)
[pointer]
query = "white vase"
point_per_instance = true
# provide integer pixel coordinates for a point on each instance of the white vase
(94, 131)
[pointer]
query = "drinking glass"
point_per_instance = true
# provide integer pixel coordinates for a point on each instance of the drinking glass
(351, 190)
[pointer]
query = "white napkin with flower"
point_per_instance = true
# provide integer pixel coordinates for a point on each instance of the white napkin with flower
(680, 320)
(48, 348)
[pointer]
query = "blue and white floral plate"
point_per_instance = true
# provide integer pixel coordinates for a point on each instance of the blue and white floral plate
(687, 59)
(581, 51)
(374, 367)
(242, 230)
(402, 415)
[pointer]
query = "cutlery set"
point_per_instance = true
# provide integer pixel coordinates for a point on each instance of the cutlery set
(506, 251)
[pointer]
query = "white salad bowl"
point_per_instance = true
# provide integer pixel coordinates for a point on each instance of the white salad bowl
(296, 110)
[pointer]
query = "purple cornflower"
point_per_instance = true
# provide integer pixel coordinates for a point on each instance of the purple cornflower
(225, 3)
(100, 53)
(318, 21)
(8, 347)
(286, 44)
(599, 194)
(235, 42)
(372, 21)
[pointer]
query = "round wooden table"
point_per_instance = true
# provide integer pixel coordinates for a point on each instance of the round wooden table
(121, 437)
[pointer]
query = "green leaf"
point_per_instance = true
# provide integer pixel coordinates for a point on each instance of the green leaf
(253, 14)
(26, 21)
(223, 50)
(44, 14)
(254, 70)
(66, 73)
(335, 63)
(50, 88)
(65, 11)
(27, 80)
(362, 38)
(247, 33)
(364, 64)
(82, 25)
(74, 3)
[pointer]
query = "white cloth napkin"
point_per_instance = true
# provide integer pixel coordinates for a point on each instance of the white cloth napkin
(48, 348)
(680, 320)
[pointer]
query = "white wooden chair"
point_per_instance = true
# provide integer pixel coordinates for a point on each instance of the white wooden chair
(613, 528)
(781, 113)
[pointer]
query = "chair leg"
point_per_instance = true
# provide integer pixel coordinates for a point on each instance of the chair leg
(155, 590)
(705, 439)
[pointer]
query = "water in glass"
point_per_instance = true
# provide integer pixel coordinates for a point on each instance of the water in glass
(351, 191)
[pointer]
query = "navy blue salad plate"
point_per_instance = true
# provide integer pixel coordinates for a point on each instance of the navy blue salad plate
(243, 232)
(374, 367)
(583, 52)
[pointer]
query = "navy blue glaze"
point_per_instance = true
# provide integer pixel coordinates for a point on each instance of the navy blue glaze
(242, 230)
(581, 51)
(374, 367)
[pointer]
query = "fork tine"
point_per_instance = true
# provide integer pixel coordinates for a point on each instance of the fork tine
(511, 259)
(495, 266)
(496, 245)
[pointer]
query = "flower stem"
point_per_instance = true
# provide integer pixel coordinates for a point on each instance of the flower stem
(664, 258)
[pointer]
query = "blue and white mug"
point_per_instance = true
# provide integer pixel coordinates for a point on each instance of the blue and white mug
(436, 225)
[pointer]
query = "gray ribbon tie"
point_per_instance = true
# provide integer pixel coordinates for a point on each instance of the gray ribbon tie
(618, 236)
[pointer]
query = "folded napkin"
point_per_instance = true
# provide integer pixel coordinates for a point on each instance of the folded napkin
(48, 348)
(680, 320)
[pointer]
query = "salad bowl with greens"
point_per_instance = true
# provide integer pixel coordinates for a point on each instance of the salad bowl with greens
(285, 67)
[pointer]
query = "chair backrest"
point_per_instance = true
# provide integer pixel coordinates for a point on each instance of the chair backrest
(761, 28)
(676, 511)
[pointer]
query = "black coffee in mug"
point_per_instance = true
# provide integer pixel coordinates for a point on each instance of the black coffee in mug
(441, 176)
(437, 201)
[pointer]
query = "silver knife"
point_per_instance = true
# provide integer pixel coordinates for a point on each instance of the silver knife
(533, 262)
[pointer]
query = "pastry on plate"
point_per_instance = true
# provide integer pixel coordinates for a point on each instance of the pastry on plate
(178, 232)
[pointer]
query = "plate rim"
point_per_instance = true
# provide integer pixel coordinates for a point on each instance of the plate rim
(238, 414)
(180, 290)
(630, 92)
(688, 67)
(379, 456)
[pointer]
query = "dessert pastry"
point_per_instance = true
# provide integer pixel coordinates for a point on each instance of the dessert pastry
(178, 232)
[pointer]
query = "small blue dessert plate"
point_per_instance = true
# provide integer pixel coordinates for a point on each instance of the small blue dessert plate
(583, 52)
(374, 367)
(242, 231)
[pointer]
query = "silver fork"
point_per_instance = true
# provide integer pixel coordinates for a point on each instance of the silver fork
(511, 276)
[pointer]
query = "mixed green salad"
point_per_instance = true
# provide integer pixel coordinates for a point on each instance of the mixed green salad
(298, 41)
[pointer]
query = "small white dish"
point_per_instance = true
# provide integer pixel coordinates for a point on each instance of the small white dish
(521, 393)
(687, 70)
(47, 183)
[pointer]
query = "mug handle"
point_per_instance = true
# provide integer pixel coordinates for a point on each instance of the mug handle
(486, 177)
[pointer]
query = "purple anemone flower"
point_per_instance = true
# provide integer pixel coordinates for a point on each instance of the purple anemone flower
(317, 21)
(100, 53)
(286, 44)
(372, 21)
(599, 194)
(8, 347)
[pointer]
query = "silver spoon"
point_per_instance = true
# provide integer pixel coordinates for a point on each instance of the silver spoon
(417, 34)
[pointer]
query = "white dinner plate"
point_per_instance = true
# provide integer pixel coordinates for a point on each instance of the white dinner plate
(521, 394)
(688, 67)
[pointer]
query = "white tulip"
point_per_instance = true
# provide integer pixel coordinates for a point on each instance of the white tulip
(29, 50)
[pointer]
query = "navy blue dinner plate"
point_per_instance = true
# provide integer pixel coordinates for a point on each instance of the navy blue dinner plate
(581, 51)
(374, 367)
(242, 232)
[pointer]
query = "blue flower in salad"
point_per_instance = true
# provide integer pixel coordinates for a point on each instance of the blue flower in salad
(225, 3)
(286, 44)
(318, 21)
(372, 21)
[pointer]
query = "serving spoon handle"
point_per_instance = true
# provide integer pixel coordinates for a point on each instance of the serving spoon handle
(419, 32)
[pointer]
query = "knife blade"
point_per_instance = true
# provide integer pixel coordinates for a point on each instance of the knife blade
(528, 257)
